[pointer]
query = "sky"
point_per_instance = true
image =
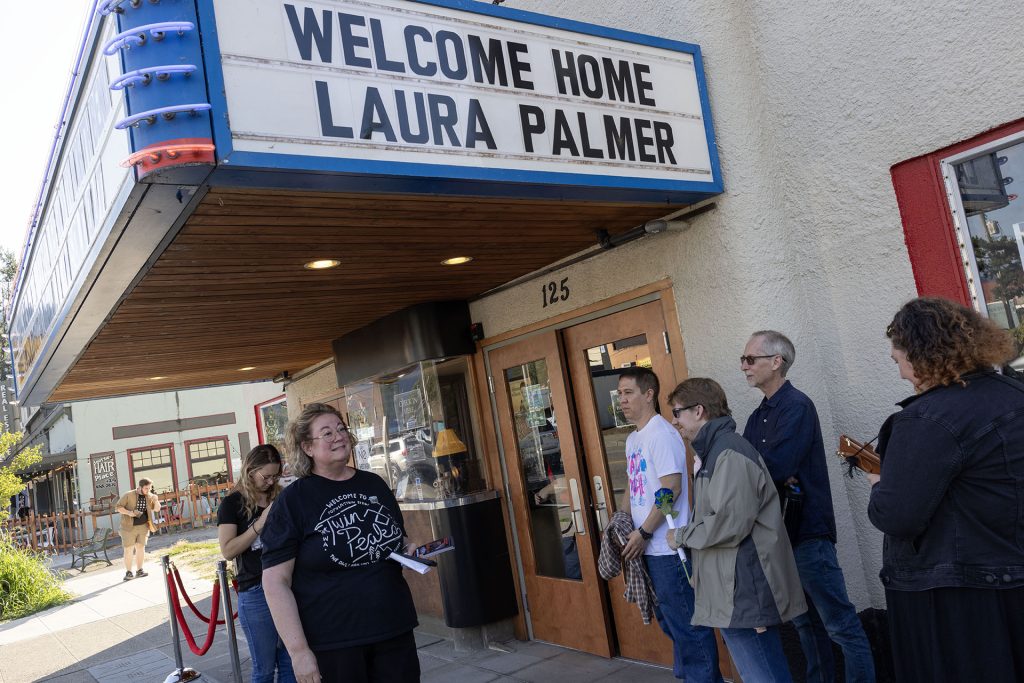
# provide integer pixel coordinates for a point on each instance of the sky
(38, 44)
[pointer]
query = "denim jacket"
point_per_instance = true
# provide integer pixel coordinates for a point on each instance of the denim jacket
(951, 496)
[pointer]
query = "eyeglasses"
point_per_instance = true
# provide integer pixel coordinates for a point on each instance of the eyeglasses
(270, 478)
(332, 434)
(749, 360)
(676, 412)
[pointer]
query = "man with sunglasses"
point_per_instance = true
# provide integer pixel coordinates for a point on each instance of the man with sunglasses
(786, 432)
(655, 459)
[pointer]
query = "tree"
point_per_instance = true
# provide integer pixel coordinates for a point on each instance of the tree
(10, 482)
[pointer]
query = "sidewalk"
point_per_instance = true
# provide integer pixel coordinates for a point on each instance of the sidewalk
(118, 631)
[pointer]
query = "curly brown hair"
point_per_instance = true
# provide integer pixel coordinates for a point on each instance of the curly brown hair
(944, 340)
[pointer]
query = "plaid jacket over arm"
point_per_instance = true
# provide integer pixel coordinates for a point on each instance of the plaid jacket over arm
(609, 564)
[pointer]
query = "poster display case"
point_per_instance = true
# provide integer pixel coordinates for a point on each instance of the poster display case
(415, 429)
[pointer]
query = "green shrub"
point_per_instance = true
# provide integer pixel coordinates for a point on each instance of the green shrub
(27, 585)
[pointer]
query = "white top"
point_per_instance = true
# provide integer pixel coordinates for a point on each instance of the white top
(655, 451)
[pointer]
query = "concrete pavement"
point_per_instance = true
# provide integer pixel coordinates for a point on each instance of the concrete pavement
(118, 631)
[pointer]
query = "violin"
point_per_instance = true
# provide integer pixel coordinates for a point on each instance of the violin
(859, 455)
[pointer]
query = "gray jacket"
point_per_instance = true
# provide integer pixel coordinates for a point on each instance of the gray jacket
(744, 574)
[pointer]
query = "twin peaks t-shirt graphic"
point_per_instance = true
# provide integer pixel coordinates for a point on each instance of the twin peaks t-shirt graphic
(358, 530)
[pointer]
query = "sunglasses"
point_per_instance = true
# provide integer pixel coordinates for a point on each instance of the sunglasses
(750, 360)
(676, 412)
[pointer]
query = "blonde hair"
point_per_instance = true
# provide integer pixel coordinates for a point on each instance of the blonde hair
(253, 460)
(300, 431)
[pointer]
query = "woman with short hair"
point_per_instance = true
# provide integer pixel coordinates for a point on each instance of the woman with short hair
(950, 499)
(241, 519)
(745, 580)
(341, 606)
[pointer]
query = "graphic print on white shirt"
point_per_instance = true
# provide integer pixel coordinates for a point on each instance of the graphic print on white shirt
(653, 452)
(357, 530)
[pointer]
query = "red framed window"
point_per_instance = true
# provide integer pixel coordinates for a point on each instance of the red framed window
(271, 420)
(962, 209)
(209, 461)
(155, 463)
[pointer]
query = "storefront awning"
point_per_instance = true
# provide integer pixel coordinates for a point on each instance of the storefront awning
(388, 136)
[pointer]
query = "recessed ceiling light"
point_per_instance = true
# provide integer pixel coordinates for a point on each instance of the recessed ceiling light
(247, 367)
(322, 264)
(457, 260)
(158, 377)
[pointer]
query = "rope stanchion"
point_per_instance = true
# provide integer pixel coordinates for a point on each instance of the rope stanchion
(181, 674)
(188, 601)
(212, 622)
(222, 578)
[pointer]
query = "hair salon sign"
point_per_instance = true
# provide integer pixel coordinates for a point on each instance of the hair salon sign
(435, 83)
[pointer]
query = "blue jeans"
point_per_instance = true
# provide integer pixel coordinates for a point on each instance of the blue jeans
(265, 647)
(758, 656)
(830, 617)
(695, 653)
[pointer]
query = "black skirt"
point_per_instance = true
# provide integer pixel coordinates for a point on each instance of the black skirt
(957, 635)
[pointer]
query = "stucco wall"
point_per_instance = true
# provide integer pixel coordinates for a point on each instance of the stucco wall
(812, 105)
(61, 435)
(95, 421)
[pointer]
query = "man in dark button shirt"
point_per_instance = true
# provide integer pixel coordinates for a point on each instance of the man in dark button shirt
(786, 431)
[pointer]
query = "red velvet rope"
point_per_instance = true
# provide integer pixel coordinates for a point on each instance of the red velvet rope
(211, 629)
(188, 601)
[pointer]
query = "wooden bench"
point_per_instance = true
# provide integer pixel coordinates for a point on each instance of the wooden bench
(90, 550)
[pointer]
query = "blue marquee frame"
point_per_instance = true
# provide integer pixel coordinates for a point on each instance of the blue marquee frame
(392, 176)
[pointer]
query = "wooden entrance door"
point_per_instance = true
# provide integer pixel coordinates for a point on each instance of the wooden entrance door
(547, 485)
(596, 352)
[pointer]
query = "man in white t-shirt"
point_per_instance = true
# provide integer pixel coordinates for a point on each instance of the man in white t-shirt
(656, 459)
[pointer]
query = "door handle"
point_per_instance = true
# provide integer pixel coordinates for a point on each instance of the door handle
(601, 504)
(577, 507)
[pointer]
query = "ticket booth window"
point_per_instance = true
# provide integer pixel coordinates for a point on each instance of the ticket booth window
(988, 211)
(985, 186)
(962, 209)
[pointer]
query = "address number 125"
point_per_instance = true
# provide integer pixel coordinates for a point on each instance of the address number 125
(553, 292)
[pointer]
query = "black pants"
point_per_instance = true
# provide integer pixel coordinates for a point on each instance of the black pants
(957, 635)
(389, 661)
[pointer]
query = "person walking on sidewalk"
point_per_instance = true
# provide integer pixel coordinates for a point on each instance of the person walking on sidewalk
(786, 432)
(240, 521)
(655, 459)
(135, 508)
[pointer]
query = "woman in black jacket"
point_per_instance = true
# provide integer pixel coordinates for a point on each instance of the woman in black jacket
(950, 500)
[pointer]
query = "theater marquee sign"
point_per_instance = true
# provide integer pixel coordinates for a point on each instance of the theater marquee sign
(429, 88)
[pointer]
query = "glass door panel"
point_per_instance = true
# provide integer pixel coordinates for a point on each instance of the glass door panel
(552, 526)
(597, 352)
(557, 541)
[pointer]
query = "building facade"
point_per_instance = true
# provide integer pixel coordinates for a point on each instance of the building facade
(808, 169)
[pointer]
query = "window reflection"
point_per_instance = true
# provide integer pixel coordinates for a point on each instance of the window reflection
(552, 528)
(989, 192)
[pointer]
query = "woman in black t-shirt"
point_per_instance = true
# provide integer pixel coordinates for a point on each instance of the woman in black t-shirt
(241, 519)
(342, 607)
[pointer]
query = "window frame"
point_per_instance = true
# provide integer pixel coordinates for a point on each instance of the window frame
(131, 464)
(206, 439)
(959, 215)
(258, 410)
(931, 238)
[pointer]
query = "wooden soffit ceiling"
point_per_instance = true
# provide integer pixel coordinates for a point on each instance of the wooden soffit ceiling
(231, 291)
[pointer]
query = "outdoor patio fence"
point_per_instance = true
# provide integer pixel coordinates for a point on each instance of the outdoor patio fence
(189, 508)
